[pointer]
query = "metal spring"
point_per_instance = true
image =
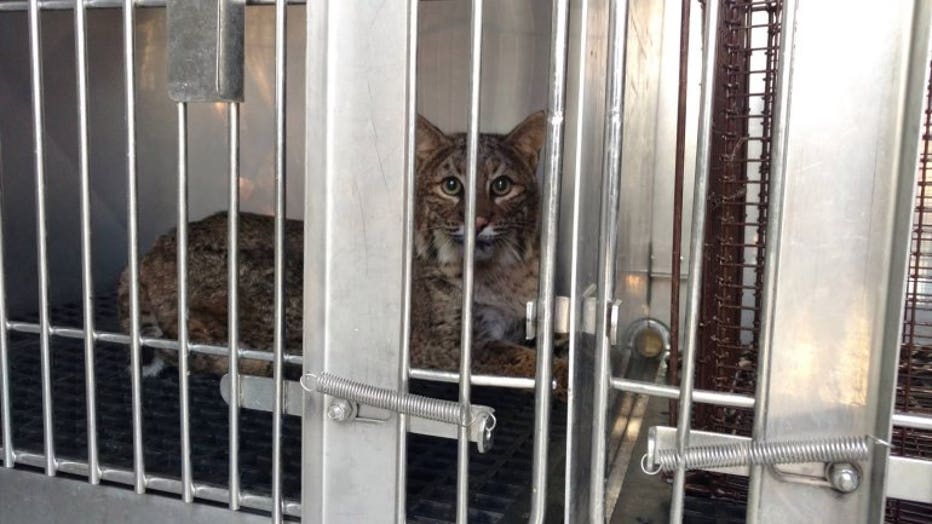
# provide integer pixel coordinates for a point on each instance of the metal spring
(841, 449)
(409, 404)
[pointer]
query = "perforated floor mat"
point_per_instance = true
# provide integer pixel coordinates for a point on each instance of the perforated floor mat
(499, 479)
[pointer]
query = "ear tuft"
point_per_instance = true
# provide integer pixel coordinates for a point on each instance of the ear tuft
(528, 137)
(429, 139)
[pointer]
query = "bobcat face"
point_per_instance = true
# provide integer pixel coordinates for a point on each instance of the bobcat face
(506, 193)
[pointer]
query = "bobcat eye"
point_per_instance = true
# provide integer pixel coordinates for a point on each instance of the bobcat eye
(451, 186)
(501, 186)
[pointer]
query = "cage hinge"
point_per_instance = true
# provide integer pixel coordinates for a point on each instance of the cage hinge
(827, 462)
(357, 402)
(561, 317)
(205, 50)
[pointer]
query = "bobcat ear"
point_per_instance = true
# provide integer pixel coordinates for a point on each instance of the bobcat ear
(429, 139)
(528, 137)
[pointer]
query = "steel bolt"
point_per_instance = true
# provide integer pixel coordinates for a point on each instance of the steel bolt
(844, 477)
(339, 410)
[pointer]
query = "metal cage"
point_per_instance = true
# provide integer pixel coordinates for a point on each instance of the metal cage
(125, 118)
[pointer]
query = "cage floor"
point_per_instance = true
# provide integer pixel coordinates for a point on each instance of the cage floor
(499, 479)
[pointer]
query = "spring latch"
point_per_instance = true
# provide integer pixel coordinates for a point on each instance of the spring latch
(831, 451)
(351, 392)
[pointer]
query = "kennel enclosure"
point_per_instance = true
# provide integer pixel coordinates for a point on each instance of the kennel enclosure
(802, 253)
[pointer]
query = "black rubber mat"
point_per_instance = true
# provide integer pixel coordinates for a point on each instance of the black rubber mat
(499, 479)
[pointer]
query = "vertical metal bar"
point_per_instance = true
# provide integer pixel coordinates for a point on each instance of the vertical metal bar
(678, 173)
(772, 255)
(608, 232)
(469, 255)
(694, 284)
(129, 64)
(6, 412)
(87, 276)
(279, 305)
(550, 227)
(401, 477)
(38, 124)
(233, 301)
(187, 491)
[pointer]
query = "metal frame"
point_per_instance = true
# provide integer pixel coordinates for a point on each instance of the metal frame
(339, 109)
(337, 187)
(868, 261)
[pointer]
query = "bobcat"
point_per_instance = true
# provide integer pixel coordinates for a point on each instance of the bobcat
(506, 265)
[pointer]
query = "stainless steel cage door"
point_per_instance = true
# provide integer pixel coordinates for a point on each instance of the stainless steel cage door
(354, 246)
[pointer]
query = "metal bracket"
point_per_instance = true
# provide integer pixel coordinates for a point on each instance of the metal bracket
(258, 393)
(205, 50)
(561, 318)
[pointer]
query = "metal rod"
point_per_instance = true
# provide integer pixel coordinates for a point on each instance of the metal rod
(129, 58)
(233, 301)
(694, 284)
(608, 232)
(182, 252)
(279, 305)
(155, 343)
(909, 420)
(207, 492)
(774, 212)
(87, 275)
(407, 271)
(678, 174)
(717, 398)
(6, 411)
(550, 224)
(469, 255)
(49, 5)
(38, 124)
(575, 402)
(453, 377)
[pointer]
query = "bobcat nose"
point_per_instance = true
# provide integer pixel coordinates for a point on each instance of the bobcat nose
(481, 222)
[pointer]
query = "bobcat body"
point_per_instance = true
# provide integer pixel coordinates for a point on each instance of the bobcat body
(506, 265)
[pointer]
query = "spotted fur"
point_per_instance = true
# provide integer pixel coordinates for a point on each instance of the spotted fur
(506, 262)
(505, 269)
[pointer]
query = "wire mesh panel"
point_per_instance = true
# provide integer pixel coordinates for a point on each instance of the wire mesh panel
(736, 221)
(914, 387)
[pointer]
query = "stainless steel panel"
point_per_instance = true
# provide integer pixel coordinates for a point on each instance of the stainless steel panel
(835, 306)
(355, 175)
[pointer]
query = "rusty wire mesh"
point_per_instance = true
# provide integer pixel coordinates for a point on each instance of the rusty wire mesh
(914, 385)
(736, 221)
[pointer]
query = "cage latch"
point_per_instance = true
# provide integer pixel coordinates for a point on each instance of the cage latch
(358, 402)
(829, 462)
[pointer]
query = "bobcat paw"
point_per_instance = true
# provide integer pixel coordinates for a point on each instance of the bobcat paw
(152, 369)
(561, 373)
